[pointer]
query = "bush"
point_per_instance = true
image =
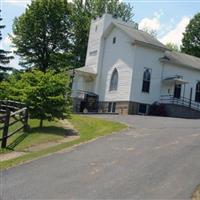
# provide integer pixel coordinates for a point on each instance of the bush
(46, 94)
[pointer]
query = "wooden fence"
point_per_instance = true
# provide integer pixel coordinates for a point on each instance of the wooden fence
(11, 113)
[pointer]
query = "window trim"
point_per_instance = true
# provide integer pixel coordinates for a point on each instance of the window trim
(112, 107)
(146, 81)
(114, 40)
(197, 92)
(111, 86)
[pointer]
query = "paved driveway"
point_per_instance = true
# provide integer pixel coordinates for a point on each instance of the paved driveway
(157, 158)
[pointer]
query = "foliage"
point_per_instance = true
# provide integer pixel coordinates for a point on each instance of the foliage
(46, 94)
(83, 13)
(172, 47)
(191, 39)
(42, 35)
(53, 34)
(4, 57)
(151, 32)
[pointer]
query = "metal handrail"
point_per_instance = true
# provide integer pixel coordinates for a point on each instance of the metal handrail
(183, 101)
(84, 92)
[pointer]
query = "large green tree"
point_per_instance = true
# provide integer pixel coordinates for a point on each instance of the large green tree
(84, 12)
(46, 94)
(42, 35)
(172, 47)
(191, 39)
(4, 56)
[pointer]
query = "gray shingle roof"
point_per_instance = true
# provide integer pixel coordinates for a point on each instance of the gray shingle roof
(89, 70)
(139, 35)
(182, 59)
(173, 57)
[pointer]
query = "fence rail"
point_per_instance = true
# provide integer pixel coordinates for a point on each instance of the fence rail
(11, 113)
(183, 101)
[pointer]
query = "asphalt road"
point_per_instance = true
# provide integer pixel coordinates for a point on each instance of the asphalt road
(157, 158)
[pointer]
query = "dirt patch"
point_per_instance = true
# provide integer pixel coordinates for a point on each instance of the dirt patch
(196, 195)
(50, 144)
(11, 155)
(67, 125)
(72, 134)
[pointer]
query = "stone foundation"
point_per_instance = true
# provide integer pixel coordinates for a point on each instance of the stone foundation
(122, 107)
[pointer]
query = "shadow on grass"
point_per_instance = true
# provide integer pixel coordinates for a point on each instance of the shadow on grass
(53, 130)
(17, 141)
(44, 130)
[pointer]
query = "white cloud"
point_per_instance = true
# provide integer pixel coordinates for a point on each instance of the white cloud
(7, 41)
(149, 24)
(175, 36)
(6, 44)
(153, 23)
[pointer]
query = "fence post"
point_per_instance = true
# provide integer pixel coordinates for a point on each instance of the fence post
(5, 130)
(26, 127)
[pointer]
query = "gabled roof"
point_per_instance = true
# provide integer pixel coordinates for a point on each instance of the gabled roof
(138, 36)
(87, 70)
(181, 59)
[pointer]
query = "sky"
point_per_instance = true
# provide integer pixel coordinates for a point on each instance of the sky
(168, 18)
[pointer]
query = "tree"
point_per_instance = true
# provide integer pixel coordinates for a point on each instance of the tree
(191, 39)
(4, 57)
(46, 94)
(42, 35)
(83, 13)
(151, 32)
(172, 47)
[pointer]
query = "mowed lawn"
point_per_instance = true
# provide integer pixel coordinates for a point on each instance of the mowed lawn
(52, 131)
(88, 128)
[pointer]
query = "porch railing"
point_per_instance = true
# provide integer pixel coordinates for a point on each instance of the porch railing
(81, 94)
(182, 101)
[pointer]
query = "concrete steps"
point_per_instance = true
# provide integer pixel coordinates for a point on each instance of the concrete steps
(180, 111)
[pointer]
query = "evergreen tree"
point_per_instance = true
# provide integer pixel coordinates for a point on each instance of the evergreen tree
(4, 56)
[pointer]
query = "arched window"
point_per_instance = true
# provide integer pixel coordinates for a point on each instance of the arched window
(114, 80)
(146, 80)
(197, 96)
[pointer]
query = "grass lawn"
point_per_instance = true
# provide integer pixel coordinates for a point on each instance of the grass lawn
(89, 128)
(196, 195)
(52, 131)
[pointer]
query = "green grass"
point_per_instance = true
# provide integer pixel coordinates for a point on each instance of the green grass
(88, 127)
(20, 141)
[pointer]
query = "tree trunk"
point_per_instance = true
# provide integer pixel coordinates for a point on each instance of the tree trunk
(41, 123)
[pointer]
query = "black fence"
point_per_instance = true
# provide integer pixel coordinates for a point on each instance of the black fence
(183, 101)
(11, 113)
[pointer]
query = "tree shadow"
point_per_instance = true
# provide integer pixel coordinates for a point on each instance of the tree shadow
(54, 130)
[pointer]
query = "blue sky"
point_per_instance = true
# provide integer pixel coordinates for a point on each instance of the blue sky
(167, 18)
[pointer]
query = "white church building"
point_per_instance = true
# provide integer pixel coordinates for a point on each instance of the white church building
(127, 70)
